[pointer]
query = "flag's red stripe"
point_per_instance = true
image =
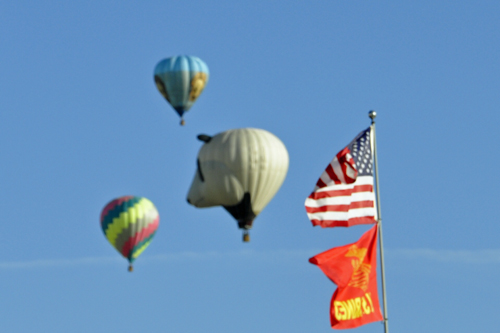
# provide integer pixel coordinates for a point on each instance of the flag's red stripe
(328, 208)
(340, 208)
(344, 223)
(320, 183)
(342, 158)
(331, 174)
(345, 164)
(341, 193)
(362, 204)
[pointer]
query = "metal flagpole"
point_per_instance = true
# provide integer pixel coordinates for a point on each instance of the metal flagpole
(372, 114)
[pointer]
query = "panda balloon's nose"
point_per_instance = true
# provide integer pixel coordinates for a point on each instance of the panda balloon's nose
(189, 202)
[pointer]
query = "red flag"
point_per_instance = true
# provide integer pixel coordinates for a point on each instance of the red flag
(353, 268)
(343, 195)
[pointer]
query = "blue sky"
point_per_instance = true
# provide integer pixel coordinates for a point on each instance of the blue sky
(81, 123)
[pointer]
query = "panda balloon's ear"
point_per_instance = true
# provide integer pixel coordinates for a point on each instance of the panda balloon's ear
(205, 138)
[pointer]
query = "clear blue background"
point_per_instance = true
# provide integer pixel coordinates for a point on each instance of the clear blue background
(81, 123)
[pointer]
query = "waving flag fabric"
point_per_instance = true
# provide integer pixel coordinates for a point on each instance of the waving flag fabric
(353, 268)
(343, 195)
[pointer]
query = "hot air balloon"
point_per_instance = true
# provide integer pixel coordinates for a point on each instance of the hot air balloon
(181, 80)
(129, 223)
(240, 170)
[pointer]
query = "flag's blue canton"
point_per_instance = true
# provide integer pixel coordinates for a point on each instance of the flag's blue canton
(361, 152)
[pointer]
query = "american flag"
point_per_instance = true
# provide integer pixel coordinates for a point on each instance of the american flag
(343, 195)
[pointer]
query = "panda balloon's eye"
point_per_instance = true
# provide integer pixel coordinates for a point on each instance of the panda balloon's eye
(199, 170)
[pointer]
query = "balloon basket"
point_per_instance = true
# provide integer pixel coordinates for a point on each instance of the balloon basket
(183, 122)
(246, 237)
(130, 268)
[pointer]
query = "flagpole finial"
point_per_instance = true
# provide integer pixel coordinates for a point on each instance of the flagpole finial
(372, 114)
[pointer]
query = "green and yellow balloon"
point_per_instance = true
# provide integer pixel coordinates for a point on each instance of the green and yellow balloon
(129, 224)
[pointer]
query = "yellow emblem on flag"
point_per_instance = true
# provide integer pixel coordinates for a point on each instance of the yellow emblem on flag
(361, 271)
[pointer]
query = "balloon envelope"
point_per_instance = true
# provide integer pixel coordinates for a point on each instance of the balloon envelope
(129, 223)
(181, 80)
(241, 170)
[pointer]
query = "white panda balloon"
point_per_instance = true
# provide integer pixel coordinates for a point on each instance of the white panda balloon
(241, 170)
